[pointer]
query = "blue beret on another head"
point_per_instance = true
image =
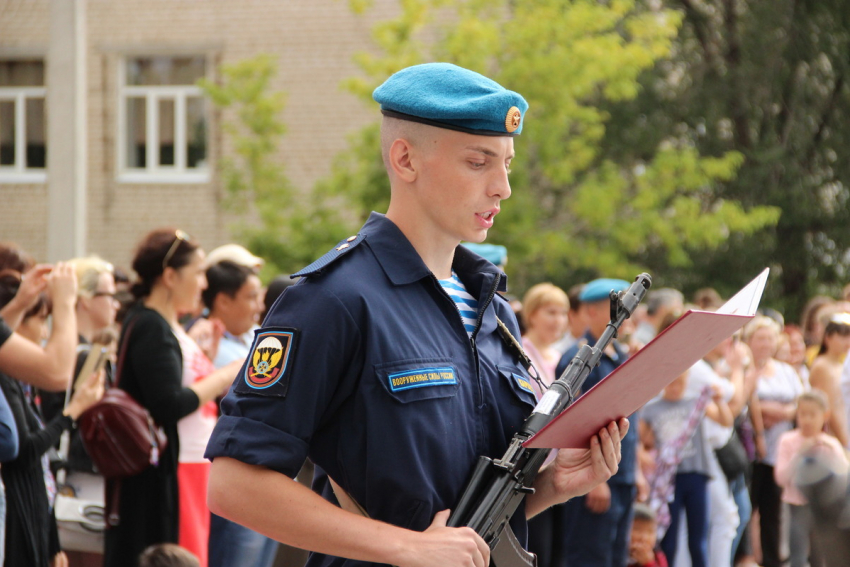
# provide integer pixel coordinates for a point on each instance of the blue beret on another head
(597, 290)
(448, 96)
(493, 253)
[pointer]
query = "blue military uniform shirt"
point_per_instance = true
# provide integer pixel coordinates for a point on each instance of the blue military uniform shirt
(607, 364)
(377, 381)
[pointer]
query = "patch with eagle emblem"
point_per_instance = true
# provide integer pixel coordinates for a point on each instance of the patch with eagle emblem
(267, 369)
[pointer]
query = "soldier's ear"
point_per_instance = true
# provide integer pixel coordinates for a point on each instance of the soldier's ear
(402, 162)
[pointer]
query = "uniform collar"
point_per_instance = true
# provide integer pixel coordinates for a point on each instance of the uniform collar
(402, 263)
(471, 267)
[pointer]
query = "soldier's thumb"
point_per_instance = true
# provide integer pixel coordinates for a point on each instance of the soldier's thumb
(440, 519)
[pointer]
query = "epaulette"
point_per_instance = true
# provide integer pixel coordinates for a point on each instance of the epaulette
(342, 248)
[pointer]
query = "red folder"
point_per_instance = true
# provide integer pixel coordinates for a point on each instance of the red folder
(646, 373)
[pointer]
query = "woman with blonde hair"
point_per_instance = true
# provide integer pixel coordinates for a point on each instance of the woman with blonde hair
(772, 409)
(96, 303)
(544, 312)
(95, 309)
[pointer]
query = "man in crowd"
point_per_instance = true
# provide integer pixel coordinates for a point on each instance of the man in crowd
(659, 304)
(598, 525)
(234, 300)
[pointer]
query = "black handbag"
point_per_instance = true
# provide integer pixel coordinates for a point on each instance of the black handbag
(732, 457)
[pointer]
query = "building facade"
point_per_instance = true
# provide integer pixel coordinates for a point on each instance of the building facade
(148, 140)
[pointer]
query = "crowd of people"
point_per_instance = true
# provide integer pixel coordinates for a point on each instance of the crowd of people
(713, 453)
(715, 457)
(394, 364)
(185, 324)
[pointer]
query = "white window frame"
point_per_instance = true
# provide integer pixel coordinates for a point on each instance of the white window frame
(153, 172)
(18, 172)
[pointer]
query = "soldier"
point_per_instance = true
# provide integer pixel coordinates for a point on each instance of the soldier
(598, 525)
(383, 364)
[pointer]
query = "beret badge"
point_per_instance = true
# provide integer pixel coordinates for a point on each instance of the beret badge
(513, 119)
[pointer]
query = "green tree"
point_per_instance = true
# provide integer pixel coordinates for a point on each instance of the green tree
(766, 79)
(577, 210)
(288, 231)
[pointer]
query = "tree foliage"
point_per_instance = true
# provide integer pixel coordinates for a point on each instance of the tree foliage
(285, 229)
(766, 79)
(580, 207)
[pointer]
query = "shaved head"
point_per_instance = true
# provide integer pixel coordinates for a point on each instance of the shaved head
(419, 136)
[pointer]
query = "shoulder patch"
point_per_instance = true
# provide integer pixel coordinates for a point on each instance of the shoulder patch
(342, 248)
(269, 364)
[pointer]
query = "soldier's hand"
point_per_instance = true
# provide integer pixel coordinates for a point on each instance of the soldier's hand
(442, 546)
(577, 471)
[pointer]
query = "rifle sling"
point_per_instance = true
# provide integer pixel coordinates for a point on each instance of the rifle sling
(516, 347)
(346, 502)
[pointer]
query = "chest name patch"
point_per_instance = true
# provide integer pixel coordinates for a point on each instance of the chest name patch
(421, 378)
(269, 363)
(523, 383)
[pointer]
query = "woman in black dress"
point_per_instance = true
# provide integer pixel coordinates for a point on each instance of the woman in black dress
(170, 267)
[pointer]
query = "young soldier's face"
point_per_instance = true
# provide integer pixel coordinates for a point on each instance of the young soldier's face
(463, 180)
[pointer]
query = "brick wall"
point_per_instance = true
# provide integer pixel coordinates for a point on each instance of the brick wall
(314, 41)
(23, 212)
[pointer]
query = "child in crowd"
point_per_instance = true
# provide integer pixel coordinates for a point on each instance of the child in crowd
(167, 555)
(674, 425)
(642, 548)
(807, 440)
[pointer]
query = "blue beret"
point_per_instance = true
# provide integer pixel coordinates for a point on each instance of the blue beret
(448, 96)
(493, 253)
(597, 290)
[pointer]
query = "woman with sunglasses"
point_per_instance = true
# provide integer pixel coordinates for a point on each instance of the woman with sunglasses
(96, 308)
(170, 269)
(825, 373)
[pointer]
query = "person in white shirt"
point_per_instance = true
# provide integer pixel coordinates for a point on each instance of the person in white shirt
(772, 410)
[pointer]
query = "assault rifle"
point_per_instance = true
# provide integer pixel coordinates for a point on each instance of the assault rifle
(497, 487)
